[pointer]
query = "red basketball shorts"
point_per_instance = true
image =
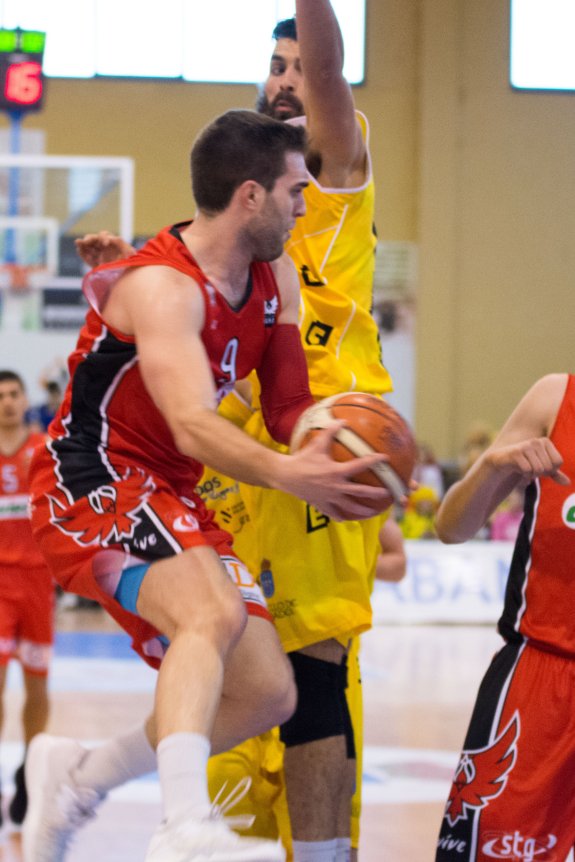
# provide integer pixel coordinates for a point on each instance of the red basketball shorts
(27, 617)
(513, 795)
(90, 541)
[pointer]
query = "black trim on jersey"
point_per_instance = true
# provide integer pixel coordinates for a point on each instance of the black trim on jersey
(488, 702)
(81, 466)
(518, 570)
(149, 541)
(175, 229)
(175, 232)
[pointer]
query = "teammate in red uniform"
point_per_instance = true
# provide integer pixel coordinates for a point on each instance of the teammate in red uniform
(26, 586)
(114, 505)
(513, 796)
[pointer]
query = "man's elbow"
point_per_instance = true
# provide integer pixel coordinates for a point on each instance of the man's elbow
(188, 434)
(447, 532)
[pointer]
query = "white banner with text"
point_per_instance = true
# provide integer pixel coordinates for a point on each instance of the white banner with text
(446, 584)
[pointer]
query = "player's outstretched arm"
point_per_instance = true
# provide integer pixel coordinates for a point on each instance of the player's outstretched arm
(521, 453)
(330, 110)
(103, 247)
(164, 310)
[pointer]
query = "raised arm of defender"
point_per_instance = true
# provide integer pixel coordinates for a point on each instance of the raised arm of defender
(331, 121)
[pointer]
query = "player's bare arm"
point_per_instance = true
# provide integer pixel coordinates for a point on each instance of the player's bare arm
(521, 452)
(288, 285)
(164, 310)
(331, 121)
(391, 563)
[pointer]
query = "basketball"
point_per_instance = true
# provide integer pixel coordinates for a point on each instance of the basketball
(371, 425)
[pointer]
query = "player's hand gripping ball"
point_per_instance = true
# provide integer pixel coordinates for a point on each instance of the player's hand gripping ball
(371, 425)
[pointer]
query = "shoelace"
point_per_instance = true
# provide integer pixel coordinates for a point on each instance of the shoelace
(220, 808)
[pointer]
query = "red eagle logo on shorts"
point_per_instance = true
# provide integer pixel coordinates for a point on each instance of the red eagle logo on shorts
(106, 515)
(481, 775)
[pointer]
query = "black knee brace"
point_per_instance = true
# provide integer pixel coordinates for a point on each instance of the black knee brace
(322, 709)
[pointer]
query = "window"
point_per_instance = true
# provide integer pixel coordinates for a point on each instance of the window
(198, 40)
(543, 44)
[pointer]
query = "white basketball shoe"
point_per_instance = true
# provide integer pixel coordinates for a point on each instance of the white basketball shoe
(211, 839)
(57, 807)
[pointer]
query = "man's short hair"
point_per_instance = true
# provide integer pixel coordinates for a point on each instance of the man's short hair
(236, 147)
(11, 377)
(285, 29)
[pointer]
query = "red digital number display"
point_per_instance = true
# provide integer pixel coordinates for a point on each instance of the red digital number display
(22, 87)
(23, 84)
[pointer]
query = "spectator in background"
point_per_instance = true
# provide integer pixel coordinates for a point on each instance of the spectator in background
(26, 586)
(505, 522)
(428, 472)
(53, 380)
(419, 515)
(40, 416)
(478, 438)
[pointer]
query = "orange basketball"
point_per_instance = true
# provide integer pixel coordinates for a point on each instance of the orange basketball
(371, 425)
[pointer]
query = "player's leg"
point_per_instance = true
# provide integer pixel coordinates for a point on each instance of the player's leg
(191, 598)
(230, 769)
(8, 643)
(35, 636)
(319, 757)
(36, 706)
(258, 691)
(256, 665)
(260, 759)
(3, 672)
(35, 712)
(354, 694)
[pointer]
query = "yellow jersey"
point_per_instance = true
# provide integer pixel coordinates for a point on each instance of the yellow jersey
(333, 249)
(317, 574)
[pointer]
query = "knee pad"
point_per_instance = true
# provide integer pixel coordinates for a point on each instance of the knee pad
(322, 709)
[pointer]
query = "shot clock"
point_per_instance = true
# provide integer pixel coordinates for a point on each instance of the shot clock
(21, 79)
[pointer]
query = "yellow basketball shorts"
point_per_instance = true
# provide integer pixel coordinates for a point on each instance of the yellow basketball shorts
(262, 760)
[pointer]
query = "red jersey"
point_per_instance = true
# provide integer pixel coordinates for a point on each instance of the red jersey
(17, 545)
(108, 420)
(540, 594)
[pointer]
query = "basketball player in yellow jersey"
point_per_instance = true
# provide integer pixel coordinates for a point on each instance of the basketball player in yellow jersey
(315, 573)
(262, 758)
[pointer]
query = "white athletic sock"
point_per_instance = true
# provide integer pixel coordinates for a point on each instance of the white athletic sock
(315, 851)
(183, 765)
(343, 850)
(116, 762)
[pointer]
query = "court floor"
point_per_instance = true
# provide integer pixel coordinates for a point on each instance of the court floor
(419, 684)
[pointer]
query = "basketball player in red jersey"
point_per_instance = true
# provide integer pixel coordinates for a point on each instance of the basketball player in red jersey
(26, 586)
(513, 795)
(322, 575)
(113, 500)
